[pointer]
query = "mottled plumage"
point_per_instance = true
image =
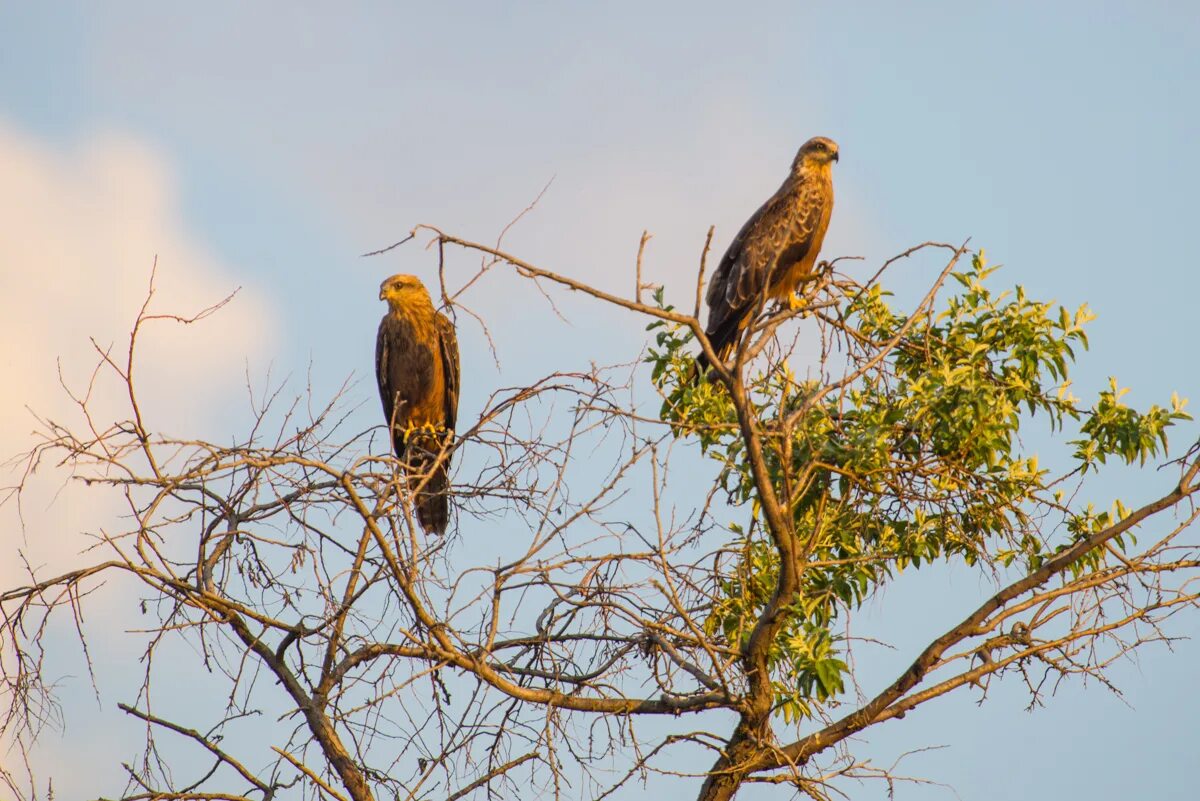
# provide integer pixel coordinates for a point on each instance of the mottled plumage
(775, 250)
(416, 364)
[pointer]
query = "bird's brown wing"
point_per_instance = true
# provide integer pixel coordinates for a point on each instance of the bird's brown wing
(801, 237)
(742, 276)
(387, 394)
(451, 369)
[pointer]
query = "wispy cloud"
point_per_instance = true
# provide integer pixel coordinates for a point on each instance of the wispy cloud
(83, 229)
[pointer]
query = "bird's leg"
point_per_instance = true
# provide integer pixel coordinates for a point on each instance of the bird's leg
(792, 302)
(798, 298)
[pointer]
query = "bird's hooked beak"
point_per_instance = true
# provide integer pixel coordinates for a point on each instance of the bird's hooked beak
(835, 155)
(382, 294)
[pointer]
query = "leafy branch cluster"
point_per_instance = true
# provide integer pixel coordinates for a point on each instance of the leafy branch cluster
(915, 458)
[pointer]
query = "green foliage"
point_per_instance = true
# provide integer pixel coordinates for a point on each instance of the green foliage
(915, 458)
(1114, 429)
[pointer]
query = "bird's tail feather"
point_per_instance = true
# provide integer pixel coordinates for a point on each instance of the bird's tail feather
(429, 484)
(699, 368)
(722, 342)
(433, 501)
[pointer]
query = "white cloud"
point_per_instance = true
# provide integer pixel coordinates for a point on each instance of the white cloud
(82, 229)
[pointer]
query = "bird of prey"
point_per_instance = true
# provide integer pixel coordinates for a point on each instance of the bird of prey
(416, 363)
(776, 249)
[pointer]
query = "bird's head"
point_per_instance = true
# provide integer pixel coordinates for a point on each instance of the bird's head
(817, 152)
(404, 291)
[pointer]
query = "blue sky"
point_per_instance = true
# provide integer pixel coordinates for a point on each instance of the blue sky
(266, 147)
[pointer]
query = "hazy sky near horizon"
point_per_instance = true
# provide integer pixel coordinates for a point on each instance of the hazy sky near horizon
(265, 146)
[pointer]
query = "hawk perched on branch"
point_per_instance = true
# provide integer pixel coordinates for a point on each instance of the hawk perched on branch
(416, 363)
(775, 250)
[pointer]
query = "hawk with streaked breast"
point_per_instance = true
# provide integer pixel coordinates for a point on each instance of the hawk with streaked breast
(775, 251)
(416, 364)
